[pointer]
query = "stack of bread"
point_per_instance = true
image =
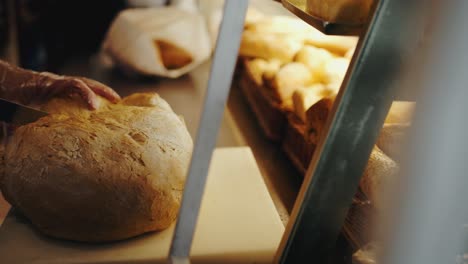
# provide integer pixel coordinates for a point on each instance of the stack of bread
(290, 74)
(287, 68)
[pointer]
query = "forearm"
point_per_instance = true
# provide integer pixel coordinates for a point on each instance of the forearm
(26, 86)
(13, 81)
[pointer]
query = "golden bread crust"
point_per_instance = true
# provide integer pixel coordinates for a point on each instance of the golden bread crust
(100, 176)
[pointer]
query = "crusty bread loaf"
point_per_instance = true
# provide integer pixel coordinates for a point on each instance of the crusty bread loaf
(102, 175)
(383, 164)
(279, 46)
(379, 173)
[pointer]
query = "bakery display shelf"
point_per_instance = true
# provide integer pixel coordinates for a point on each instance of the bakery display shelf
(298, 8)
(282, 177)
(357, 116)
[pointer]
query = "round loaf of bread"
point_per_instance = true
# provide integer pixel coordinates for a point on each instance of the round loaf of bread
(102, 175)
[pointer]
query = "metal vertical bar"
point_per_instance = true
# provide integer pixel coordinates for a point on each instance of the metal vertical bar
(427, 223)
(359, 112)
(222, 69)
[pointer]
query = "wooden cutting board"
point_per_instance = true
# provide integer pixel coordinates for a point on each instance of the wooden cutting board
(238, 224)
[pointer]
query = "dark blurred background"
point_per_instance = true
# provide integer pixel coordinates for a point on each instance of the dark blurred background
(49, 32)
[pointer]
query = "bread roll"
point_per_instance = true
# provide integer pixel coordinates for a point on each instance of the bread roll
(335, 70)
(288, 79)
(296, 28)
(304, 98)
(316, 117)
(256, 68)
(102, 175)
(349, 54)
(269, 45)
(315, 59)
(383, 165)
(396, 123)
(337, 44)
(276, 37)
(281, 25)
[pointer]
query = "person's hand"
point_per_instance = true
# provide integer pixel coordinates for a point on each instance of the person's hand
(46, 85)
(28, 86)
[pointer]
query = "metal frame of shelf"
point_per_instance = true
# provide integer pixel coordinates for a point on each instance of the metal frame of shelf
(298, 8)
(219, 84)
(429, 224)
(358, 114)
(352, 129)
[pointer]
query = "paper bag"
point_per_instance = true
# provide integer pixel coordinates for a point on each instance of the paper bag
(162, 41)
